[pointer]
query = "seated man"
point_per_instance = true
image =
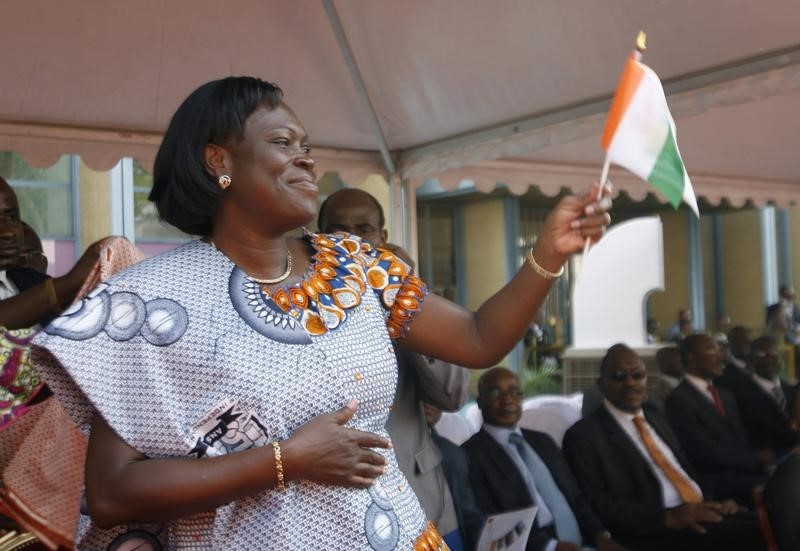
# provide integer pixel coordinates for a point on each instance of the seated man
(709, 427)
(513, 468)
(629, 464)
(765, 404)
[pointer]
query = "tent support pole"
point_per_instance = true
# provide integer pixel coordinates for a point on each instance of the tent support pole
(358, 81)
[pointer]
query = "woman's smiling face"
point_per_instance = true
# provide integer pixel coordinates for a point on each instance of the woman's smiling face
(272, 173)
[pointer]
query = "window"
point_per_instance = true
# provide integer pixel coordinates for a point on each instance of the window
(148, 227)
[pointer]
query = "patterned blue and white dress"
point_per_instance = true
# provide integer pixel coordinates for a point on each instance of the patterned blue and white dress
(186, 357)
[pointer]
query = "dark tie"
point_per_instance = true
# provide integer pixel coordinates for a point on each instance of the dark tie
(780, 397)
(718, 405)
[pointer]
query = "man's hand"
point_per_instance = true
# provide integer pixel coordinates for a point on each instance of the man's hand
(691, 515)
(604, 542)
(730, 507)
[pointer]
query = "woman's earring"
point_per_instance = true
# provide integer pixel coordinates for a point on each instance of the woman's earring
(224, 181)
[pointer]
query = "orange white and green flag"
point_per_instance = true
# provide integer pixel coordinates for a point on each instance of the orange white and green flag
(640, 134)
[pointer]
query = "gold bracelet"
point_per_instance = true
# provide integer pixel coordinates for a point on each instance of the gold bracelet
(541, 271)
(279, 466)
(52, 297)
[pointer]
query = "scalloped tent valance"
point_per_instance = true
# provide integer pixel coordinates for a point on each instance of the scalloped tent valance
(497, 94)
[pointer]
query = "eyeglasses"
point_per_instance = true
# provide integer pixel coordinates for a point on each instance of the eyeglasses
(496, 393)
(620, 376)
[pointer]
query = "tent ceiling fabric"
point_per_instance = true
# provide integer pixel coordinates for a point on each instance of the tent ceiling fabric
(449, 81)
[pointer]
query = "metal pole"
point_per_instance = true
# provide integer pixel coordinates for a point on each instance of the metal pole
(358, 81)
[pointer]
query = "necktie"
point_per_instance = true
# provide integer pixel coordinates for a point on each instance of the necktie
(780, 397)
(718, 405)
(686, 490)
(567, 527)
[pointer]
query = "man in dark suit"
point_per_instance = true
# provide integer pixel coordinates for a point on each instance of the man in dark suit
(513, 468)
(709, 427)
(629, 464)
(765, 404)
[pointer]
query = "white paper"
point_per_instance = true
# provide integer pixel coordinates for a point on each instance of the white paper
(507, 531)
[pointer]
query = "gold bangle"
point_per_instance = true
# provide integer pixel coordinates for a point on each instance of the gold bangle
(546, 274)
(279, 467)
(52, 297)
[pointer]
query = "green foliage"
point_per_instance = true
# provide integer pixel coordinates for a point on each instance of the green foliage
(542, 379)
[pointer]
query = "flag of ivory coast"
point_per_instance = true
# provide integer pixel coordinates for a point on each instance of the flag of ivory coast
(640, 134)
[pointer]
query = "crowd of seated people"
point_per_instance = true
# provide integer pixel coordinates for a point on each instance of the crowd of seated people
(683, 465)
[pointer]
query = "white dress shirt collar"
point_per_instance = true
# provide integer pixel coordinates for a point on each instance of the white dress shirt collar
(7, 287)
(766, 384)
(700, 384)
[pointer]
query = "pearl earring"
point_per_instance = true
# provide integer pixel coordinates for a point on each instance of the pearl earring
(224, 181)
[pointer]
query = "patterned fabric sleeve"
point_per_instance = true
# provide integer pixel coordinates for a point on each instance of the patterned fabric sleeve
(400, 292)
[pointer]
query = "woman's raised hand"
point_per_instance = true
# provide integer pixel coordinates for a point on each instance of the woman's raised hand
(574, 219)
(325, 451)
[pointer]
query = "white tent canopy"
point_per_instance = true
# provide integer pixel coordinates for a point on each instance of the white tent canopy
(511, 92)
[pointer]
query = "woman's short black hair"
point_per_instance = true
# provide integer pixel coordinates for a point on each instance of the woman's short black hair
(184, 192)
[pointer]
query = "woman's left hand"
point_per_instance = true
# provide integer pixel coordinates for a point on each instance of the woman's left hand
(574, 219)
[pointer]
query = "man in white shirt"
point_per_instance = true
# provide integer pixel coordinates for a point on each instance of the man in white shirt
(629, 464)
(513, 468)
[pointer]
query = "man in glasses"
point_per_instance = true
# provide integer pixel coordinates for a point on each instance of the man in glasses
(629, 464)
(513, 468)
(765, 405)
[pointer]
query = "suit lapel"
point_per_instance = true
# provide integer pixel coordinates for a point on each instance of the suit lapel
(664, 432)
(501, 462)
(706, 407)
(622, 441)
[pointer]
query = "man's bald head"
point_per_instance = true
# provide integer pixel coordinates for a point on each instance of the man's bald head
(353, 211)
(500, 397)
